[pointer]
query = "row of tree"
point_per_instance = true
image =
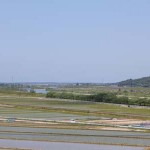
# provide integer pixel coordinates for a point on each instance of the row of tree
(99, 97)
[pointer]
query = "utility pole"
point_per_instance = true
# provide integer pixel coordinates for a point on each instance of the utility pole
(12, 82)
(131, 83)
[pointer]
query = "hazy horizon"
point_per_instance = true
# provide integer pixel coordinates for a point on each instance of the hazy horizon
(74, 41)
(61, 82)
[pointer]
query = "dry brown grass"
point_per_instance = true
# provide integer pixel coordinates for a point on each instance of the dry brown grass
(148, 148)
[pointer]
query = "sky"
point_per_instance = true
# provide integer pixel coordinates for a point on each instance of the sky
(96, 41)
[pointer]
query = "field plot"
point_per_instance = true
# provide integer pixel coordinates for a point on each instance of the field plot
(46, 119)
(38, 145)
(81, 136)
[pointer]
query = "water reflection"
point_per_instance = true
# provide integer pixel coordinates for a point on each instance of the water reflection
(38, 145)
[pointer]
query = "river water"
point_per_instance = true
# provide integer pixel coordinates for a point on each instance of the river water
(40, 91)
(38, 145)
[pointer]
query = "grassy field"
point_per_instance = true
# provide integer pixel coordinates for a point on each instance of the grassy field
(24, 106)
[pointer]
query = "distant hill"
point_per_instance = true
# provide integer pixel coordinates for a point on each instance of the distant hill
(143, 82)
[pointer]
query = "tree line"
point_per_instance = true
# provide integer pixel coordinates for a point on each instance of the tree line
(99, 97)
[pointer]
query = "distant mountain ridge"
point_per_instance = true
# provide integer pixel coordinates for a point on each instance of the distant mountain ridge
(141, 82)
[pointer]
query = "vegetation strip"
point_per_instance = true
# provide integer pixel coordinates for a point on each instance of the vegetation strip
(64, 134)
(80, 111)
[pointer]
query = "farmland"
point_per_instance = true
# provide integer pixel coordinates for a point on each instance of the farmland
(34, 117)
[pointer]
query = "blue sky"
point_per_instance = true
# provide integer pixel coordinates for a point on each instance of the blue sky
(74, 40)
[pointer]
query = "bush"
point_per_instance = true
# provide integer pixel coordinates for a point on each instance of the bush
(100, 97)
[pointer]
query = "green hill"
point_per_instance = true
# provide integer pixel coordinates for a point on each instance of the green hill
(143, 82)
